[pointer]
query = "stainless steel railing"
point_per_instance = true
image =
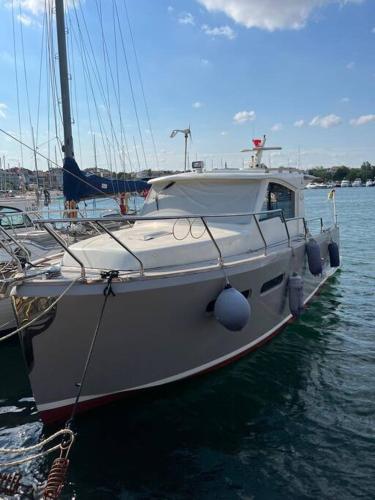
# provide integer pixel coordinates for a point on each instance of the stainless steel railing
(255, 216)
(98, 224)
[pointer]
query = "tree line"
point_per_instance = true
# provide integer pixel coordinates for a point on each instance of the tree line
(365, 172)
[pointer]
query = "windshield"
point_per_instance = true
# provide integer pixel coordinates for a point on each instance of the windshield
(11, 218)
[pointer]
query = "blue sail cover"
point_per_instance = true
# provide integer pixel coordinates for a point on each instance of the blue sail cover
(78, 185)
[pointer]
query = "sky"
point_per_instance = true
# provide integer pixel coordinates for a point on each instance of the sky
(302, 72)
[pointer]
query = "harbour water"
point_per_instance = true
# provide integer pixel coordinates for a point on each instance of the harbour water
(294, 419)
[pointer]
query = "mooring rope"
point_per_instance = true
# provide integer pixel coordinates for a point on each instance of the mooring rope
(65, 445)
(10, 483)
(110, 275)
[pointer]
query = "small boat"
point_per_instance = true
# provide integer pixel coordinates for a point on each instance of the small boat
(357, 183)
(370, 183)
(196, 286)
(345, 183)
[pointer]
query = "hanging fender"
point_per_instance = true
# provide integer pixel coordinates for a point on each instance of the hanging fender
(295, 289)
(334, 254)
(314, 258)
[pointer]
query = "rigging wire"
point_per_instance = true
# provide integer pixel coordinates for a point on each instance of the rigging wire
(94, 69)
(71, 64)
(51, 74)
(40, 76)
(28, 96)
(55, 163)
(89, 85)
(130, 84)
(141, 83)
(17, 83)
(122, 131)
(106, 60)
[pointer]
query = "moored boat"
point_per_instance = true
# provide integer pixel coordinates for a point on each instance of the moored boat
(168, 272)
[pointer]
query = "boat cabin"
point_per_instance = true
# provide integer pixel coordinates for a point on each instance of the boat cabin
(219, 192)
(245, 211)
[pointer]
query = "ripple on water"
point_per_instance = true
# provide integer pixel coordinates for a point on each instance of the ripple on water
(292, 420)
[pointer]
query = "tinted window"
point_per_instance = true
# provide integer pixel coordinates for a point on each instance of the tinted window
(268, 285)
(279, 197)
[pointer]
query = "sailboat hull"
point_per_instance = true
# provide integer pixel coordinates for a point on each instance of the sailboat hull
(156, 331)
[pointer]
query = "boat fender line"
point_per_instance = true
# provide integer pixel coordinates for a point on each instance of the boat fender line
(334, 254)
(314, 258)
(232, 309)
(295, 288)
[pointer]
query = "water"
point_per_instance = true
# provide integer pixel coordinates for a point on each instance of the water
(295, 419)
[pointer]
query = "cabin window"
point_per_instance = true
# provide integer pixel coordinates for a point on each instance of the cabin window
(268, 285)
(279, 197)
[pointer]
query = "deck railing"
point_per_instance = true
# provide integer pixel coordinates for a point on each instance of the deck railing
(49, 225)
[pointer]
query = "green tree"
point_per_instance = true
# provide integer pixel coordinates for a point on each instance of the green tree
(323, 174)
(366, 171)
(341, 173)
(354, 174)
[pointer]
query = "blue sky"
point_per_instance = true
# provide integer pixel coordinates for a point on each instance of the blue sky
(304, 75)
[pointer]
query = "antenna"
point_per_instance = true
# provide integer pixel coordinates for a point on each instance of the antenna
(258, 149)
(187, 134)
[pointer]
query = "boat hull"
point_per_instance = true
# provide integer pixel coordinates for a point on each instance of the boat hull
(157, 331)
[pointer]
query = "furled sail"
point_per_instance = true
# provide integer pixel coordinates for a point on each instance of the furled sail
(78, 185)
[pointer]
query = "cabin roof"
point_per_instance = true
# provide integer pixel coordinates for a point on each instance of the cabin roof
(292, 177)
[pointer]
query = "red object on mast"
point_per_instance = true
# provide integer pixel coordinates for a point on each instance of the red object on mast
(257, 143)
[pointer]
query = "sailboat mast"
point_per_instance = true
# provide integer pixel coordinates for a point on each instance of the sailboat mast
(64, 79)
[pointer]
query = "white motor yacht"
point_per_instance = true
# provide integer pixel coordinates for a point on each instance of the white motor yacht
(212, 268)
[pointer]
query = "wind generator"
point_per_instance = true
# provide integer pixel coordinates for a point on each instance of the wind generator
(187, 134)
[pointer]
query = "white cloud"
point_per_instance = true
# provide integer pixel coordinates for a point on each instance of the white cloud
(373, 30)
(277, 127)
(186, 18)
(223, 133)
(269, 14)
(170, 8)
(197, 105)
(25, 20)
(345, 99)
(350, 65)
(35, 7)
(3, 108)
(327, 121)
(225, 31)
(299, 123)
(362, 120)
(244, 116)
